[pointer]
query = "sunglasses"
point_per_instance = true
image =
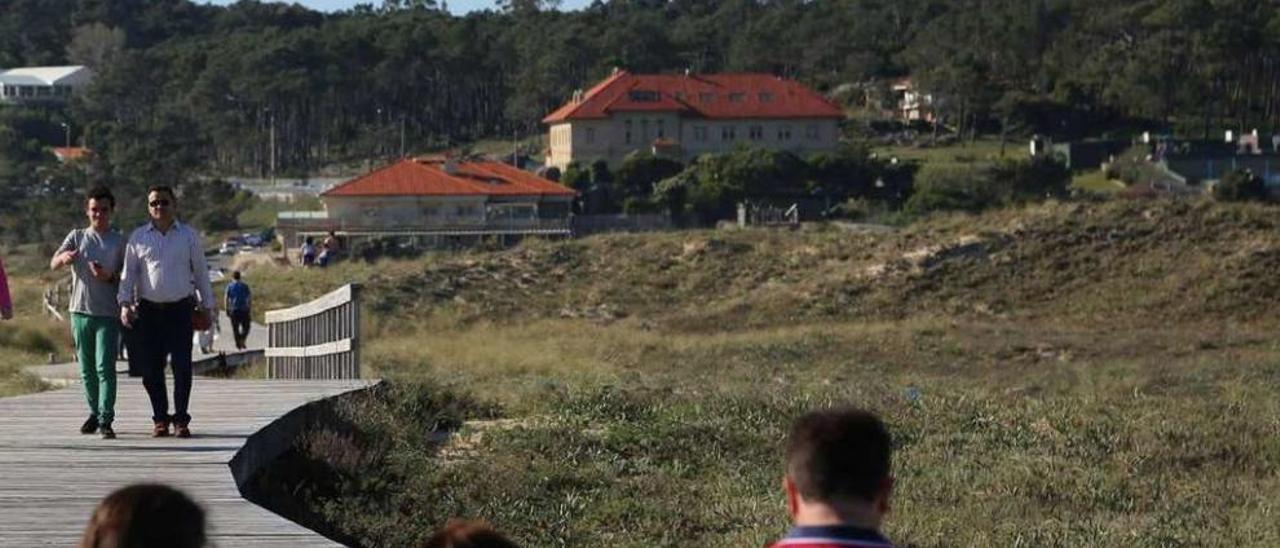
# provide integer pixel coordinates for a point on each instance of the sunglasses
(158, 203)
(100, 209)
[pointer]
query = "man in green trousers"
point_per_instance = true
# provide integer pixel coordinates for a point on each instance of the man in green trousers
(96, 255)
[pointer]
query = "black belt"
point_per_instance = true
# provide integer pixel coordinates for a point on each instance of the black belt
(188, 303)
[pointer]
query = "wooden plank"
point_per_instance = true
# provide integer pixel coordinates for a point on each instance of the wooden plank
(333, 299)
(315, 350)
(51, 476)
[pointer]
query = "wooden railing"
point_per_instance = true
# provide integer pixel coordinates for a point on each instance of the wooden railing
(316, 340)
(55, 299)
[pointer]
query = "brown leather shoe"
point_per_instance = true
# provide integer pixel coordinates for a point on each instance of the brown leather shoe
(161, 429)
(182, 431)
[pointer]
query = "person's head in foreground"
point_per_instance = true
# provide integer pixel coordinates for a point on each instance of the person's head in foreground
(838, 481)
(145, 516)
(459, 533)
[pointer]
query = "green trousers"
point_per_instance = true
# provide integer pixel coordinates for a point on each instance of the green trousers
(96, 339)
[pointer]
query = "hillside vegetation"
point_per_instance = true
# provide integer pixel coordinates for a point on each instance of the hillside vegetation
(1065, 374)
(1066, 262)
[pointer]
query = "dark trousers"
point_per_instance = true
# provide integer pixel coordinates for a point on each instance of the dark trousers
(164, 331)
(240, 325)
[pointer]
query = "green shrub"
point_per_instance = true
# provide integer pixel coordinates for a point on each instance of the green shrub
(953, 188)
(1033, 179)
(27, 339)
(1240, 185)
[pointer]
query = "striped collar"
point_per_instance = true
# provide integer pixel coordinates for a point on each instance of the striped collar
(834, 535)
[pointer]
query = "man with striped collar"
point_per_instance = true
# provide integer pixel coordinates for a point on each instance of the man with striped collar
(838, 481)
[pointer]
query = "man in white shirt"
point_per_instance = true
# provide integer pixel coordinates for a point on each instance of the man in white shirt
(163, 264)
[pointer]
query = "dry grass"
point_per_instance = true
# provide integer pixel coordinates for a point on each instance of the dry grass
(1116, 387)
(31, 336)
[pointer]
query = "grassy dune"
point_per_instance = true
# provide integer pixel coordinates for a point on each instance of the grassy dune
(31, 336)
(1077, 375)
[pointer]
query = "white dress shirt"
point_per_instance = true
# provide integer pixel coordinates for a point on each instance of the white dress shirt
(164, 267)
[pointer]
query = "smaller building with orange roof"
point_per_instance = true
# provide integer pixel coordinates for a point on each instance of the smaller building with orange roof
(71, 154)
(437, 196)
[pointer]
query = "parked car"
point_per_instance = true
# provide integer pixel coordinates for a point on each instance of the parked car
(252, 240)
(229, 247)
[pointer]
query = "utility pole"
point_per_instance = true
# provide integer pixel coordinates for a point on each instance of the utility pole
(66, 128)
(271, 117)
(402, 136)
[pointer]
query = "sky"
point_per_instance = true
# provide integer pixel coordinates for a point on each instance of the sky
(455, 6)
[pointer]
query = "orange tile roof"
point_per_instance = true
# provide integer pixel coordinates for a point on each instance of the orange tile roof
(698, 95)
(67, 154)
(427, 177)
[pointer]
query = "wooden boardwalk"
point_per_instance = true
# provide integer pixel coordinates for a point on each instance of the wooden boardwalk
(51, 476)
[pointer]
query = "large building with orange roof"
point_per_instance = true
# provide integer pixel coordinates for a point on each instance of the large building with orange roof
(685, 115)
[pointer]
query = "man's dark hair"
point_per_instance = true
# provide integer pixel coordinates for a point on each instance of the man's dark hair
(235, 274)
(100, 193)
(838, 454)
(163, 188)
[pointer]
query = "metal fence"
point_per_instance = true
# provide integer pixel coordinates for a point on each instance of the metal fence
(316, 340)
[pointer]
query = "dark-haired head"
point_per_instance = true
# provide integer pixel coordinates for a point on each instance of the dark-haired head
(166, 189)
(146, 516)
(468, 534)
(235, 274)
(840, 456)
(101, 194)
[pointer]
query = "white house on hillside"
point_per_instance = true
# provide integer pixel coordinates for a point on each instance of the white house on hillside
(42, 84)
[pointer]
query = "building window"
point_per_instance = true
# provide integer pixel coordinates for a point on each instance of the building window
(755, 133)
(644, 96)
(627, 125)
(706, 97)
(766, 97)
(784, 133)
(591, 135)
(700, 133)
(811, 132)
(728, 133)
(662, 130)
(644, 130)
(737, 97)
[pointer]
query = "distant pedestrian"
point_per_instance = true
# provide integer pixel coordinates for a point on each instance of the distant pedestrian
(328, 249)
(838, 480)
(164, 288)
(146, 516)
(308, 252)
(96, 255)
(6, 302)
(468, 534)
(239, 305)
